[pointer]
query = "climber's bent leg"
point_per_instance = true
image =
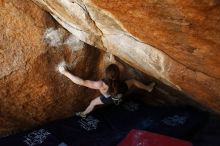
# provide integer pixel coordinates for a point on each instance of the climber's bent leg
(92, 104)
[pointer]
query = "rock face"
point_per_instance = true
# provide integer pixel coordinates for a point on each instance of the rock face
(176, 42)
(173, 41)
(32, 92)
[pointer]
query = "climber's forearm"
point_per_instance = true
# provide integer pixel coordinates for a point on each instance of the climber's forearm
(75, 79)
(141, 85)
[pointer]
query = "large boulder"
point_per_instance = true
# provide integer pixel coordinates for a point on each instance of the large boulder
(32, 44)
(174, 41)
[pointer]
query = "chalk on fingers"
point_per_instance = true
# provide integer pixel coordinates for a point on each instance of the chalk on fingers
(61, 67)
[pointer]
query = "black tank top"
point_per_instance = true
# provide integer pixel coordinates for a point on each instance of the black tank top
(122, 86)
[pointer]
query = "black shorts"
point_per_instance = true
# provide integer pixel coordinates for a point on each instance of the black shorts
(106, 100)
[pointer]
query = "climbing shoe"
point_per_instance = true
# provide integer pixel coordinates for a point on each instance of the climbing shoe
(80, 114)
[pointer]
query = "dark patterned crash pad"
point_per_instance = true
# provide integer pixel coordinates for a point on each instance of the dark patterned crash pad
(107, 126)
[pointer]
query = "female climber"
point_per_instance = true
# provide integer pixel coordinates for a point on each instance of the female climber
(111, 88)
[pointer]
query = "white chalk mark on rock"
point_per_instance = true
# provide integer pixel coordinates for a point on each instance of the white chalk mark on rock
(54, 37)
(74, 43)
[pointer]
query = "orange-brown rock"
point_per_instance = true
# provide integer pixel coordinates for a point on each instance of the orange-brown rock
(32, 92)
(175, 41)
(187, 31)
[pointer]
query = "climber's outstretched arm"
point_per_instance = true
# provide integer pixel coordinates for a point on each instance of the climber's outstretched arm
(140, 85)
(77, 80)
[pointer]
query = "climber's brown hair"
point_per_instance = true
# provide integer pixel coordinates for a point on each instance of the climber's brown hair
(112, 79)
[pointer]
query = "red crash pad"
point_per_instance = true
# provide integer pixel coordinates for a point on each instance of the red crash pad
(144, 138)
